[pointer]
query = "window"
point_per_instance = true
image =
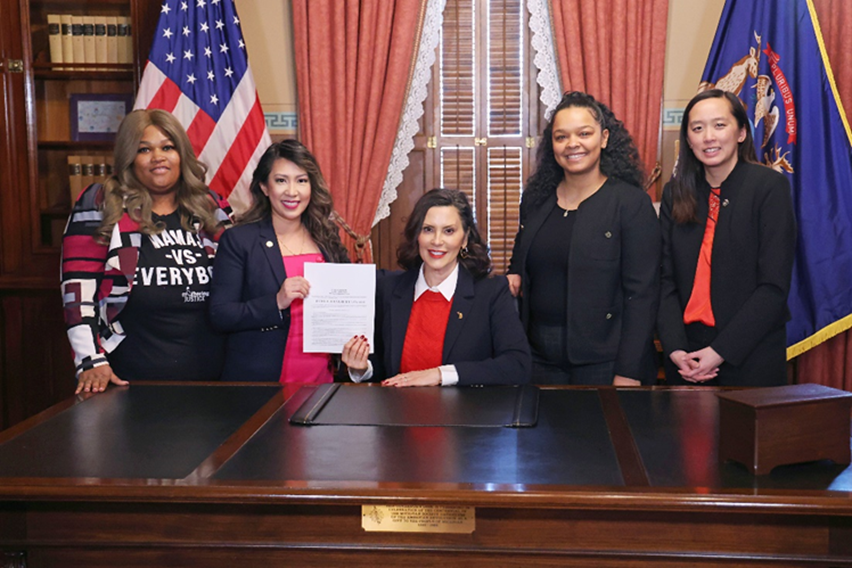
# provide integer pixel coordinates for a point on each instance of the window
(487, 99)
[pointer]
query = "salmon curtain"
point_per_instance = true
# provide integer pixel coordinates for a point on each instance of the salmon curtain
(830, 363)
(353, 62)
(615, 50)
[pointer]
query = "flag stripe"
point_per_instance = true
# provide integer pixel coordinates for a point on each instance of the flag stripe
(167, 96)
(185, 110)
(152, 80)
(241, 195)
(238, 156)
(198, 70)
(228, 127)
(200, 130)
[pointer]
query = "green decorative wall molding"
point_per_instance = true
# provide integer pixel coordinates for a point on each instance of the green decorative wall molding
(281, 121)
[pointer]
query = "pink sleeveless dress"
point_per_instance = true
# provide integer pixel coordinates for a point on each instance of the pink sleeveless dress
(300, 367)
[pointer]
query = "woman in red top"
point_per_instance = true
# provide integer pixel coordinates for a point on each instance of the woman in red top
(728, 246)
(443, 321)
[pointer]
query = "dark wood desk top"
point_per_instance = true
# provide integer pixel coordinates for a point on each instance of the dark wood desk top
(651, 449)
(569, 446)
(149, 432)
(784, 396)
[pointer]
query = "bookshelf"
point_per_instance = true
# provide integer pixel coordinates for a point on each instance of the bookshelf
(61, 68)
(36, 95)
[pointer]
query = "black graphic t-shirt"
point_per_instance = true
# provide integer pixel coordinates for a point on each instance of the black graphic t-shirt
(167, 329)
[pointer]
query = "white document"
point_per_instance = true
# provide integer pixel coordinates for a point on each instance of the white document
(340, 305)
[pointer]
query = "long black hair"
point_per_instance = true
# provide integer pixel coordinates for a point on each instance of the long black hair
(690, 171)
(475, 260)
(317, 216)
(620, 158)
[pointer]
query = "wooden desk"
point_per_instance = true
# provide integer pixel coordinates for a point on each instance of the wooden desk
(214, 475)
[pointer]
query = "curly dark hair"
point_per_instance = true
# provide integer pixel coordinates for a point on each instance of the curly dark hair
(690, 171)
(620, 158)
(476, 261)
(317, 216)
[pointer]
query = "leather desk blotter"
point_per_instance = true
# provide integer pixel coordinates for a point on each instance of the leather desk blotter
(373, 405)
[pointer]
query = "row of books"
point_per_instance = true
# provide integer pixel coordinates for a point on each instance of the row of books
(89, 39)
(86, 170)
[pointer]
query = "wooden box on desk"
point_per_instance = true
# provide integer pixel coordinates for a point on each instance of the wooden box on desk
(767, 427)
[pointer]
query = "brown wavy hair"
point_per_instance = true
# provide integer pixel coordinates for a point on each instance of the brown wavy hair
(123, 190)
(317, 216)
(477, 261)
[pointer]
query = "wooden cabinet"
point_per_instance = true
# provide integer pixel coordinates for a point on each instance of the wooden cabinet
(49, 117)
(35, 105)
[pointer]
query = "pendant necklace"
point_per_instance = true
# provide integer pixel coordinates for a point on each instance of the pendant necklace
(288, 249)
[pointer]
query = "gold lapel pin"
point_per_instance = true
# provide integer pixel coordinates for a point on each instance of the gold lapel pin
(460, 315)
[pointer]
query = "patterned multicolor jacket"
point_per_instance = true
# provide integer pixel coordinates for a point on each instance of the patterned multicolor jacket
(96, 278)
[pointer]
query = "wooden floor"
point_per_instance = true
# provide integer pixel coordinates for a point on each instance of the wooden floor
(216, 475)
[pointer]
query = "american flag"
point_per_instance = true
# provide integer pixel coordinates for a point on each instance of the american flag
(198, 70)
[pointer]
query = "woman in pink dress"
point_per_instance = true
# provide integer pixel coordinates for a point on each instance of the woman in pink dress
(259, 285)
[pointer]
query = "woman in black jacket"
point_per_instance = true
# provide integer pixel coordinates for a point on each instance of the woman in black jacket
(586, 257)
(443, 320)
(258, 279)
(728, 246)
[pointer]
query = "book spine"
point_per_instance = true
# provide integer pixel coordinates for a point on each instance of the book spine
(88, 170)
(113, 40)
(67, 39)
(75, 177)
(128, 40)
(101, 168)
(100, 39)
(77, 39)
(54, 33)
(89, 39)
(110, 165)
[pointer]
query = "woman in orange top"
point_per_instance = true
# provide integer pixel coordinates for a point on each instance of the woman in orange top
(728, 246)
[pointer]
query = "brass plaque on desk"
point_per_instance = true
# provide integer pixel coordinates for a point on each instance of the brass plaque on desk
(418, 518)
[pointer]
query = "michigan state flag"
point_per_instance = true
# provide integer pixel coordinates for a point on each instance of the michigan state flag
(771, 54)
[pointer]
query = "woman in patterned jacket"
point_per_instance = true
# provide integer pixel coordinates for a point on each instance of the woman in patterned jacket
(137, 258)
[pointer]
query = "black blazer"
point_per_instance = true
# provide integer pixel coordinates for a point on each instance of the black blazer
(484, 337)
(613, 276)
(753, 250)
(247, 274)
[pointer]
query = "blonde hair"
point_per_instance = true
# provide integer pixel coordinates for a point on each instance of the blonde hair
(124, 192)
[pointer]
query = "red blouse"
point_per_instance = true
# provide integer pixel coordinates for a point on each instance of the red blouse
(699, 308)
(424, 337)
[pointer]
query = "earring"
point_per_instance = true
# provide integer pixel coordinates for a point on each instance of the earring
(464, 252)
